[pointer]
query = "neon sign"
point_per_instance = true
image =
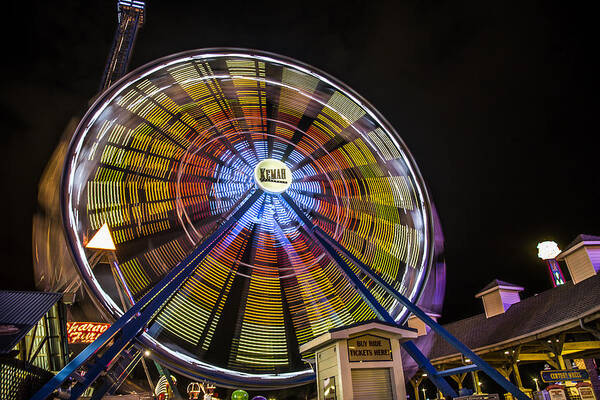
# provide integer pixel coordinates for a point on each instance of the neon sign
(85, 332)
(564, 375)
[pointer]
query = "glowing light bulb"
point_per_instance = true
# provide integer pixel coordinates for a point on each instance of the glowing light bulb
(548, 250)
(102, 240)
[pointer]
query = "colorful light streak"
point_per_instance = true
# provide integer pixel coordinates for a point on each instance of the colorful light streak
(162, 157)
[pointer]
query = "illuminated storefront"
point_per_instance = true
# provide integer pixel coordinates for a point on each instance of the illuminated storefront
(33, 341)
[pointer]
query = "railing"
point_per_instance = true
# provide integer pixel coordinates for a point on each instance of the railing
(19, 380)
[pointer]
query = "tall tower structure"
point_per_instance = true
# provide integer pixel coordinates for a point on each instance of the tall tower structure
(131, 15)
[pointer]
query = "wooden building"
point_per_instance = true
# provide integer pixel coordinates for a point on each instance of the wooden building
(559, 327)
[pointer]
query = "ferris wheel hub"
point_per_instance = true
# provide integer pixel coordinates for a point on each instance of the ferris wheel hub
(272, 176)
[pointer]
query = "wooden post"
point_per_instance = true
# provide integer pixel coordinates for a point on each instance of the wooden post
(459, 379)
(475, 376)
(415, 384)
(590, 365)
(515, 368)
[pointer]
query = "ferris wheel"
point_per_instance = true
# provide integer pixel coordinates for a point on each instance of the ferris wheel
(263, 174)
(247, 203)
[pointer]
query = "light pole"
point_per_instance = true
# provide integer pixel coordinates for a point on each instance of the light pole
(424, 396)
(548, 251)
(537, 386)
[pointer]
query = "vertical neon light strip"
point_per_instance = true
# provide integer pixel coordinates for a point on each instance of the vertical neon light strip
(556, 274)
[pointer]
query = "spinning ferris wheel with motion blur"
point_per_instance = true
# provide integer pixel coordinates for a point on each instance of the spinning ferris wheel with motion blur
(257, 174)
(249, 203)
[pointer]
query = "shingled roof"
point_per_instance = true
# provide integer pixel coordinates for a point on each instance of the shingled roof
(498, 283)
(22, 310)
(582, 238)
(533, 315)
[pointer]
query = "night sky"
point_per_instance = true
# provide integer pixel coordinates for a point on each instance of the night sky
(494, 100)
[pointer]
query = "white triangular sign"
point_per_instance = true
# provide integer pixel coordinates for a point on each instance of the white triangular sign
(102, 240)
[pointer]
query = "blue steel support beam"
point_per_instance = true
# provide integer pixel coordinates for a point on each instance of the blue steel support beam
(410, 347)
(437, 328)
(432, 373)
(381, 312)
(459, 370)
(110, 386)
(134, 320)
(128, 333)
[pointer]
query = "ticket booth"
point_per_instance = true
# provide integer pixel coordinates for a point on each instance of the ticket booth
(360, 361)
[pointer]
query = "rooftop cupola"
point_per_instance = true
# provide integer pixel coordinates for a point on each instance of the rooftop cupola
(582, 256)
(498, 296)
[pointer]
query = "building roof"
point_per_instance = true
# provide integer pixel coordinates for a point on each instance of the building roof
(22, 310)
(498, 283)
(344, 332)
(578, 242)
(582, 238)
(533, 315)
(370, 321)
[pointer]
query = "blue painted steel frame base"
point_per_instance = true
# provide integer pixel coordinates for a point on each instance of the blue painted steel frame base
(99, 355)
(432, 373)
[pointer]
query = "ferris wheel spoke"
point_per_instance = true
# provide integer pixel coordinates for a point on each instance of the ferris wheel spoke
(300, 273)
(239, 280)
(317, 154)
(216, 242)
(222, 306)
(218, 227)
(221, 164)
(301, 128)
(213, 152)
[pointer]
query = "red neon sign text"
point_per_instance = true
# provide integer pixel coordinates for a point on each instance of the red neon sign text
(85, 332)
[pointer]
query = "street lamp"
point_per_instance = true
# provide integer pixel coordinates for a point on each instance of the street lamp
(424, 396)
(548, 251)
(537, 386)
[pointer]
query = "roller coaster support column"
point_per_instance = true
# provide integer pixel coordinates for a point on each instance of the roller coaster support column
(329, 242)
(133, 322)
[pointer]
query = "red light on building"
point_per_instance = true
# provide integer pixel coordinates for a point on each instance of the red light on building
(85, 332)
